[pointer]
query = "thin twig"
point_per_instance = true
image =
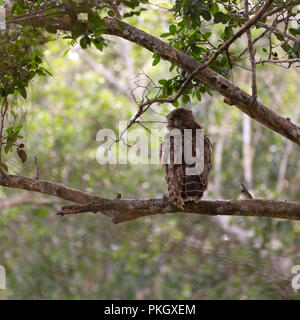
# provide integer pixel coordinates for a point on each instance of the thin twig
(246, 49)
(279, 61)
(241, 31)
(245, 192)
(276, 30)
(280, 7)
(4, 108)
(36, 165)
(252, 56)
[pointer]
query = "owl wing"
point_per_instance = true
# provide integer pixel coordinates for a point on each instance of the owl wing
(183, 187)
(193, 186)
(174, 176)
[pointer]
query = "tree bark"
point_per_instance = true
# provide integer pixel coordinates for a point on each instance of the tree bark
(233, 94)
(121, 210)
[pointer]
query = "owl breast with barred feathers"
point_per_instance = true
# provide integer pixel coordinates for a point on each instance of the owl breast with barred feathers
(183, 187)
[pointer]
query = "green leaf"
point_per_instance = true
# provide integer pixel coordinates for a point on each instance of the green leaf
(162, 81)
(97, 21)
(286, 47)
(205, 14)
(220, 17)
(66, 52)
(172, 67)
(155, 60)
(172, 29)
(111, 13)
(128, 14)
(185, 99)
(175, 104)
(98, 45)
(214, 9)
(18, 128)
(131, 4)
(207, 35)
(84, 42)
(23, 92)
(9, 130)
(279, 36)
(198, 94)
(294, 31)
(51, 29)
(38, 60)
(7, 148)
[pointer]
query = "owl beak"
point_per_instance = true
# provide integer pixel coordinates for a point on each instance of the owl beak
(176, 122)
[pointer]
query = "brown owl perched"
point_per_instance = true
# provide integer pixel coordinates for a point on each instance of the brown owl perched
(185, 187)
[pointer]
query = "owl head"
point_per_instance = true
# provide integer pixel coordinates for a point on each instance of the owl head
(181, 118)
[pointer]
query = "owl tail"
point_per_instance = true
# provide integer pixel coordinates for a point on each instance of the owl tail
(192, 189)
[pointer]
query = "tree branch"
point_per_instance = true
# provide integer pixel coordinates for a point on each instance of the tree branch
(233, 94)
(45, 187)
(246, 49)
(280, 7)
(290, 61)
(121, 210)
(274, 29)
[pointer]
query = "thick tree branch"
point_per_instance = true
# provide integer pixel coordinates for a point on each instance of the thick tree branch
(233, 94)
(45, 187)
(121, 210)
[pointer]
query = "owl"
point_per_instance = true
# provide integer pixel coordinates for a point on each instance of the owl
(183, 187)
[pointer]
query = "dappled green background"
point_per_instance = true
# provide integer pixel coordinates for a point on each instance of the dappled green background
(172, 256)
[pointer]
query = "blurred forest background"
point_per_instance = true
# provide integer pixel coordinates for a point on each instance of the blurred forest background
(172, 256)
